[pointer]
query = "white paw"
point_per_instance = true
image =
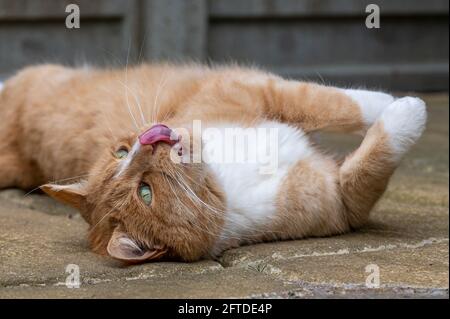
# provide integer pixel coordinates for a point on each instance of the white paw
(372, 103)
(404, 121)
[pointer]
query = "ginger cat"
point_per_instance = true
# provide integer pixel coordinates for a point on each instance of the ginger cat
(117, 134)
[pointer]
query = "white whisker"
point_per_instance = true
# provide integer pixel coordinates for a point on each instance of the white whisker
(126, 91)
(156, 106)
(136, 99)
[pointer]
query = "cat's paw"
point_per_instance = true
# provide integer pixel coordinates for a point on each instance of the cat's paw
(404, 121)
(372, 103)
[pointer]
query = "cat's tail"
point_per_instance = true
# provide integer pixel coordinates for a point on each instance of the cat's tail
(364, 175)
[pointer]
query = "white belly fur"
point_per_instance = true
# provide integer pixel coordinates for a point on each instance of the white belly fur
(250, 195)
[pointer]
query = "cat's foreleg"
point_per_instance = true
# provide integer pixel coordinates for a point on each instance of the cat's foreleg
(317, 107)
(364, 175)
(310, 106)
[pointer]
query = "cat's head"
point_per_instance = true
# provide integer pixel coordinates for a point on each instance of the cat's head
(142, 205)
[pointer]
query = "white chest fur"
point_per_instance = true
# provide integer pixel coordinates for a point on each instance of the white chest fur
(250, 177)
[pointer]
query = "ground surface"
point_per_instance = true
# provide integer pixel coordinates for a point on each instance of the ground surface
(407, 240)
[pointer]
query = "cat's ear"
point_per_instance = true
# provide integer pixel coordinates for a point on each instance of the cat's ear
(73, 194)
(122, 247)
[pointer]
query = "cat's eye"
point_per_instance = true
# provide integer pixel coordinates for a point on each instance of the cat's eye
(145, 193)
(121, 153)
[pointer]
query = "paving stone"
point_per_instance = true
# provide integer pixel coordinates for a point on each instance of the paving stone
(35, 201)
(411, 266)
(228, 283)
(393, 225)
(35, 248)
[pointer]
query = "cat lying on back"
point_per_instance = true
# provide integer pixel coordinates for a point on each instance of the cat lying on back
(117, 133)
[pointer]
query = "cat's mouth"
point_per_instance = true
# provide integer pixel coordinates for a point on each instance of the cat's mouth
(159, 133)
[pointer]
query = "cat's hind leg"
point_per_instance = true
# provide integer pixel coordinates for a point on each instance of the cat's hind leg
(14, 172)
(364, 175)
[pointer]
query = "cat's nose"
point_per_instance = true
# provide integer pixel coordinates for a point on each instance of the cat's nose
(159, 133)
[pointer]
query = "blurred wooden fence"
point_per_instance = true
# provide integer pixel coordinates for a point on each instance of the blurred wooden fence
(321, 40)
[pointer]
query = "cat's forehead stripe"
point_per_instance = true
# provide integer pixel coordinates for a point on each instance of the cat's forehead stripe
(127, 161)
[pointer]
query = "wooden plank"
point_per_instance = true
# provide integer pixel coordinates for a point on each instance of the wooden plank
(393, 77)
(104, 37)
(330, 42)
(238, 9)
(49, 42)
(52, 9)
(338, 47)
(175, 29)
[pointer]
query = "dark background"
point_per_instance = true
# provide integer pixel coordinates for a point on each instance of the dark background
(320, 40)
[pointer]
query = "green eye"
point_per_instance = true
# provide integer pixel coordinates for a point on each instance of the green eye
(145, 193)
(121, 154)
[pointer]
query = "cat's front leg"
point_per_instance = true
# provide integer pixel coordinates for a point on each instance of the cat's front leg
(311, 106)
(317, 107)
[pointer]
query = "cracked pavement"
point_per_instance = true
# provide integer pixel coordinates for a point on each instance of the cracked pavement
(407, 239)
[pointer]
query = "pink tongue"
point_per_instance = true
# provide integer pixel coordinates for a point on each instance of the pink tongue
(157, 133)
